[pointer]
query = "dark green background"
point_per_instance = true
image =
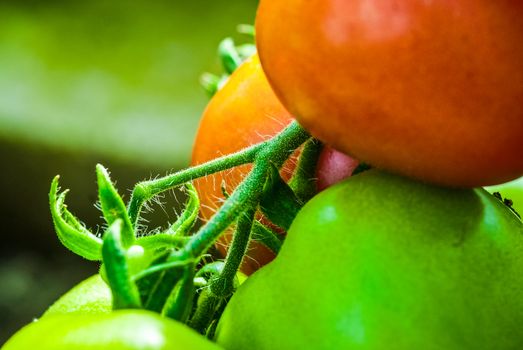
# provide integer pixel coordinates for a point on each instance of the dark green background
(114, 82)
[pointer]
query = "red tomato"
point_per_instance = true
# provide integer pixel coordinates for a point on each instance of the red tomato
(245, 112)
(429, 89)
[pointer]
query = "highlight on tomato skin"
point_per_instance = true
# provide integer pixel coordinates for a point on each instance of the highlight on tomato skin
(245, 111)
(118, 330)
(428, 89)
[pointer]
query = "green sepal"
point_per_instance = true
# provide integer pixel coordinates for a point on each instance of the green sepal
(211, 83)
(180, 302)
(247, 29)
(278, 202)
(303, 182)
(267, 237)
(73, 235)
(124, 290)
(246, 50)
(113, 207)
(162, 288)
(161, 241)
(155, 268)
(229, 55)
(187, 219)
(146, 284)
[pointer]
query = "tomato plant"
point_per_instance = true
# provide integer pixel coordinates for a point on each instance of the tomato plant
(373, 262)
(244, 112)
(119, 330)
(379, 262)
(427, 89)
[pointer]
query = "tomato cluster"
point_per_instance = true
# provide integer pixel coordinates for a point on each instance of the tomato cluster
(245, 111)
(406, 255)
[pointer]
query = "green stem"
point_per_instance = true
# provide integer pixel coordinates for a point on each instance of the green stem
(146, 190)
(204, 314)
(223, 285)
(248, 193)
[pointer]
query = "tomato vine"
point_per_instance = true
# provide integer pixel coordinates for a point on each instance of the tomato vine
(167, 261)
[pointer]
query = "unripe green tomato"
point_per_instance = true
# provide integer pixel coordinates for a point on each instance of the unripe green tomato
(91, 296)
(382, 262)
(119, 330)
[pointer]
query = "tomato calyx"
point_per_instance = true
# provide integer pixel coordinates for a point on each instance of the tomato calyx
(231, 56)
(158, 271)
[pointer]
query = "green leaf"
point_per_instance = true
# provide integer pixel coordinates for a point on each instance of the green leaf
(124, 290)
(73, 235)
(113, 207)
(278, 202)
(266, 236)
(179, 304)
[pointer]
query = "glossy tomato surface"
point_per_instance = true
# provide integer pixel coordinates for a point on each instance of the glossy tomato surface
(429, 89)
(120, 330)
(245, 112)
(382, 262)
(91, 296)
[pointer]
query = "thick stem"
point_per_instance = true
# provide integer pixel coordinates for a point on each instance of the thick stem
(248, 193)
(223, 285)
(204, 314)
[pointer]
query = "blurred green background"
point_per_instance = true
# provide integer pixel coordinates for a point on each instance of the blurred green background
(111, 82)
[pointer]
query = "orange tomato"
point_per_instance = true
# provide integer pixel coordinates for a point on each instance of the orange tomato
(245, 111)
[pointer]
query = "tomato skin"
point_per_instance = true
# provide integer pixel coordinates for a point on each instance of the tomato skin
(242, 113)
(125, 329)
(382, 262)
(428, 89)
(245, 112)
(91, 296)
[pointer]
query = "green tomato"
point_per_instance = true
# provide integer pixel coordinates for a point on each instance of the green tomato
(512, 190)
(119, 330)
(383, 262)
(91, 296)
